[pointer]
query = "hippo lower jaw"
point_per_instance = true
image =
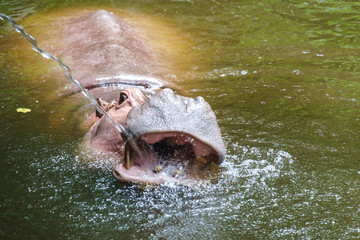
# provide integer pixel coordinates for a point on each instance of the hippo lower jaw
(173, 157)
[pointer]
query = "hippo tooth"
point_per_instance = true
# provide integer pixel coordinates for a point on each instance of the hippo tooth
(176, 173)
(201, 160)
(128, 156)
(158, 169)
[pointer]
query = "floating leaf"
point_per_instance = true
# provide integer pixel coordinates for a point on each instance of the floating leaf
(23, 110)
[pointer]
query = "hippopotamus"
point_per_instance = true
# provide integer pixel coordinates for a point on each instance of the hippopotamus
(170, 137)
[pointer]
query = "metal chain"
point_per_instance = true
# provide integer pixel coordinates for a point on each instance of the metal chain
(47, 55)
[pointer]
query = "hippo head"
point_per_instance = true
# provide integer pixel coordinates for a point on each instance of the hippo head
(172, 137)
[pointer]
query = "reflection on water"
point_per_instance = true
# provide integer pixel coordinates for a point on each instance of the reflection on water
(283, 80)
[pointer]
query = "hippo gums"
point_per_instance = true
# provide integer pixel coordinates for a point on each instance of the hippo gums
(172, 138)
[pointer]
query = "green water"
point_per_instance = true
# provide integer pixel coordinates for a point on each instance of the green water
(283, 78)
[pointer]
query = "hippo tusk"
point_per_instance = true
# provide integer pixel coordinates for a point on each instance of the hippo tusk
(128, 156)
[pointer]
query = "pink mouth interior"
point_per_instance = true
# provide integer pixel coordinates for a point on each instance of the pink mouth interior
(165, 157)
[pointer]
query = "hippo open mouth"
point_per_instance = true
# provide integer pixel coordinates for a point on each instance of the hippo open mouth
(172, 137)
(164, 157)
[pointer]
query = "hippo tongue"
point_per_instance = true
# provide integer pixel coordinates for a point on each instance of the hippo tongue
(172, 133)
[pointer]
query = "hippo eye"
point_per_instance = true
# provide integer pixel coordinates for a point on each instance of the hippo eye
(122, 98)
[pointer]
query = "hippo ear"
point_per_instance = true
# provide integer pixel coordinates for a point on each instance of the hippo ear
(105, 105)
